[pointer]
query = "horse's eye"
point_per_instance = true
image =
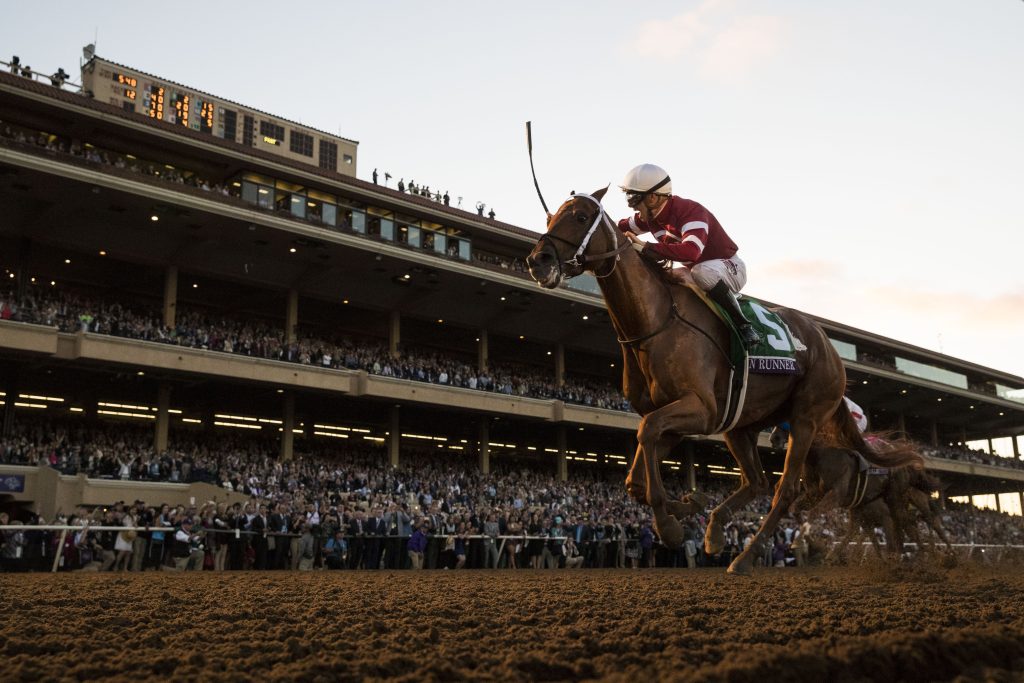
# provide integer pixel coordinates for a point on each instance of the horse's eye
(582, 219)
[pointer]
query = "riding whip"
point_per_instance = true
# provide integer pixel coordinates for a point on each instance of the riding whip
(529, 147)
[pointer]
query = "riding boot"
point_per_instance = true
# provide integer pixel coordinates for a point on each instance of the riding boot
(721, 295)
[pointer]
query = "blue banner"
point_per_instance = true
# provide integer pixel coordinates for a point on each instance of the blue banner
(12, 483)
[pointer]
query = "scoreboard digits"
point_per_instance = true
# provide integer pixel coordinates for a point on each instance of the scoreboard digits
(151, 96)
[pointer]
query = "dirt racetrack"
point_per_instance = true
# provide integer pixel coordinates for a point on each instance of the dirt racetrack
(642, 625)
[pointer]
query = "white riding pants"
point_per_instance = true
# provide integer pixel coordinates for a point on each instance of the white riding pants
(732, 271)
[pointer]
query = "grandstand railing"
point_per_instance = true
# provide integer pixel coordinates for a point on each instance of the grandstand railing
(237, 533)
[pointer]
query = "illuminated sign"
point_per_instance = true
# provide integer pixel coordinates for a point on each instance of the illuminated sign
(126, 80)
(156, 102)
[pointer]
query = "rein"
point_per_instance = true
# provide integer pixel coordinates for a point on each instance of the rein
(673, 316)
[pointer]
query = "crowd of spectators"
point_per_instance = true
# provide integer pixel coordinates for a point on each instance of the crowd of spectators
(56, 145)
(346, 508)
(217, 332)
(969, 455)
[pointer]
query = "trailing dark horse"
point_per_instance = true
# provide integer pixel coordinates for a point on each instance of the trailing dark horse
(676, 374)
(887, 498)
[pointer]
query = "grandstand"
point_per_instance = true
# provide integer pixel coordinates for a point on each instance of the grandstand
(110, 207)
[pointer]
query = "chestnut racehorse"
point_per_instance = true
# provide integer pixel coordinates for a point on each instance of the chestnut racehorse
(676, 374)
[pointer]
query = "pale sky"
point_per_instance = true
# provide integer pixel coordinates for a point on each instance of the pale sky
(867, 156)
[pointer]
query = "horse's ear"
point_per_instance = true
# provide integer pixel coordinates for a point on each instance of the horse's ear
(599, 194)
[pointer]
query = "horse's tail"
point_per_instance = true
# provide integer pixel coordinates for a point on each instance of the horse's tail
(842, 431)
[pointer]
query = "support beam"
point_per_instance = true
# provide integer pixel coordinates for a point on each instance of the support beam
(991, 449)
(11, 387)
(901, 424)
(935, 434)
(394, 436)
(482, 352)
(291, 316)
(394, 333)
(563, 458)
(691, 467)
(170, 295)
(999, 505)
(484, 448)
(163, 417)
(1016, 450)
(560, 366)
(1021, 495)
(287, 427)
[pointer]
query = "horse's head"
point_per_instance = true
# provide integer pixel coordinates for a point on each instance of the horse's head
(580, 237)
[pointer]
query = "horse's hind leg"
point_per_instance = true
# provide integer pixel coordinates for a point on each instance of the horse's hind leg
(743, 446)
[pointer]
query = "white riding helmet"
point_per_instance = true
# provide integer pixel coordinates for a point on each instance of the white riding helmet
(647, 178)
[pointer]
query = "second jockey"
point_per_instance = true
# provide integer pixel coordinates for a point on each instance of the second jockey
(688, 233)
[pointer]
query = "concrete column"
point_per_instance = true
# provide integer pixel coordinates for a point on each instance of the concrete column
(394, 436)
(287, 425)
(560, 366)
(484, 449)
(170, 295)
(563, 460)
(11, 387)
(291, 317)
(163, 417)
(691, 467)
(482, 352)
(395, 333)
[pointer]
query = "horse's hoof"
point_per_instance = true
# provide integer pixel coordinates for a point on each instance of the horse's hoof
(714, 538)
(741, 567)
(670, 531)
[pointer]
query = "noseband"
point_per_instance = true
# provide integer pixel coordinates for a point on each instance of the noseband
(580, 258)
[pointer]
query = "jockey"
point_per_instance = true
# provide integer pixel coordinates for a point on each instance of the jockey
(858, 415)
(689, 233)
(781, 431)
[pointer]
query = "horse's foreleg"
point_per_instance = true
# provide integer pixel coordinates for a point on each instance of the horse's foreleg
(659, 432)
(635, 479)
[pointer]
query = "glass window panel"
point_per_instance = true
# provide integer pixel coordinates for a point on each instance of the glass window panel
(250, 192)
(358, 222)
(413, 237)
(464, 251)
(846, 350)
(440, 244)
(329, 214)
(931, 372)
(387, 229)
(584, 283)
(298, 206)
(266, 197)
(1010, 393)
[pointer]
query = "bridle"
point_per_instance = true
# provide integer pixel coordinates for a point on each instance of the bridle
(580, 257)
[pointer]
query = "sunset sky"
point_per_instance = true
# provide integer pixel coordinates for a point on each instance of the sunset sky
(866, 156)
